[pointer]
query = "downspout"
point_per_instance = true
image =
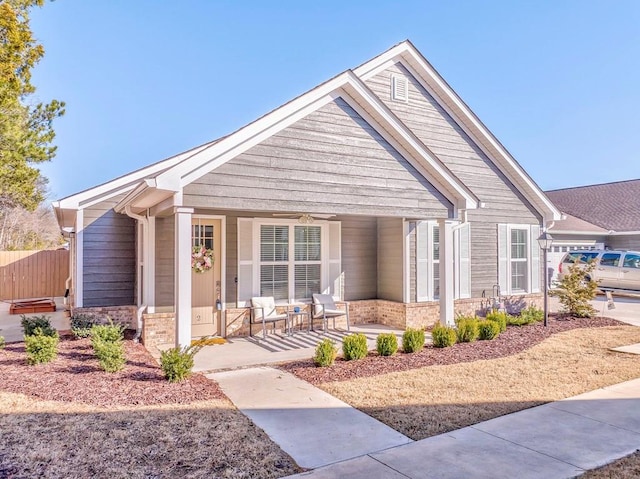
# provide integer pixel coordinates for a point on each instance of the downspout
(145, 229)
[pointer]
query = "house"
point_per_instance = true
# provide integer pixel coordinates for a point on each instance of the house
(598, 216)
(379, 186)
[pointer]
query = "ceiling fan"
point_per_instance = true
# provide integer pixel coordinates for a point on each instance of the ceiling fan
(304, 218)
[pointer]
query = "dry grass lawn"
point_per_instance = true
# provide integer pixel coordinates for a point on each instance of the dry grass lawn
(432, 400)
(625, 468)
(208, 439)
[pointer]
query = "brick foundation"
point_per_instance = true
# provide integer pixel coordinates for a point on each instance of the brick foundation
(125, 315)
(158, 329)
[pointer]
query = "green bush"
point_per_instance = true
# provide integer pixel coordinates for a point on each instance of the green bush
(326, 353)
(40, 347)
(443, 336)
(81, 325)
(488, 329)
(467, 330)
(110, 354)
(413, 340)
(354, 346)
(31, 325)
(499, 317)
(176, 363)
(386, 344)
(107, 332)
(532, 314)
(576, 290)
(3, 343)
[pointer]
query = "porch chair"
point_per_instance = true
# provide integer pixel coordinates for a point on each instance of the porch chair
(263, 309)
(325, 307)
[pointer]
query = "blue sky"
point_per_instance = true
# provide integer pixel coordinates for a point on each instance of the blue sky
(556, 81)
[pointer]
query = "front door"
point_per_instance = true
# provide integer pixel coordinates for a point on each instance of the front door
(205, 276)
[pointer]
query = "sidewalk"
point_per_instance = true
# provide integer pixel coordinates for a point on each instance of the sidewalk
(557, 440)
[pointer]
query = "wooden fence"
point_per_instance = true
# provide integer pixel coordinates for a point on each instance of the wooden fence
(33, 274)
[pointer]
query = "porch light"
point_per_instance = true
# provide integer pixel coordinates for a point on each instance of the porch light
(305, 219)
(545, 240)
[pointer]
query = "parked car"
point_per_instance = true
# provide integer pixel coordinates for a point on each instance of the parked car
(615, 269)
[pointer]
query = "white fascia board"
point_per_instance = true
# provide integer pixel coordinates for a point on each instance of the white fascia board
(431, 80)
(580, 233)
(623, 233)
(465, 199)
(118, 185)
(201, 163)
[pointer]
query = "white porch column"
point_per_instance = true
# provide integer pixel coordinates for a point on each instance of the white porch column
(78, 280)
(447, 283)
(150, 265)
(183, 275)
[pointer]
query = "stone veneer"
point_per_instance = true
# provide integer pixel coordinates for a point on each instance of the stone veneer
(125, 315)
(158, 329)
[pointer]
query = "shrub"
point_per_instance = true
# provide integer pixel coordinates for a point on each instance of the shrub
(576, 290)
(107, 332)
(488, 329)
(2, 342)
(110, 354)
(81, 325)
(467, 330)
(443, 336)
(387, 344)
(176, 363)
(413, 340)
(530, 315)
(326, 353)
(499, 317)
(31, 325)
(354, 346)
(40, 347)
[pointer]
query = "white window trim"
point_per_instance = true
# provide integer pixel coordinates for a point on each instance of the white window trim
(324, 254)
(529, 275)
(429, 262)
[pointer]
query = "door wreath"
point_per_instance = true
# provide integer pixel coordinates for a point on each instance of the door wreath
(202, 259)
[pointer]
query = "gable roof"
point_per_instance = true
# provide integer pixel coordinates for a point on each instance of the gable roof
(612, 206)
(573, 225)
(151, 185)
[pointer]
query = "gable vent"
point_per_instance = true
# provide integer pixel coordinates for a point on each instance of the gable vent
(399, 88)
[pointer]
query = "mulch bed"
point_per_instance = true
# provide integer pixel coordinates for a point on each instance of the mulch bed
(514, 340)
(75, 376)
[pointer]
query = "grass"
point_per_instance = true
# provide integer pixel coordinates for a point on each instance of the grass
(625, 468)
(71, 440)
(436, 399)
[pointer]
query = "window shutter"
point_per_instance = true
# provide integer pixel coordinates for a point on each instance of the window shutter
(422, 261)
(463, 261)
(503, 260)
(245, 262)
(535, 259)
(334, 283)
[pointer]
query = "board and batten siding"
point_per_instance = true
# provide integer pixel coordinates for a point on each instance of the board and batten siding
(109, 256)
(442, 135)
(165, 262)
(331, 161)
(390, 260)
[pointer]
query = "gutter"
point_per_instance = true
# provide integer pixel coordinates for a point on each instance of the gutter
(145, 226)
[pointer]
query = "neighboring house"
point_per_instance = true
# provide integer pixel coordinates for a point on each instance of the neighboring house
(380, 186)
(597, 216)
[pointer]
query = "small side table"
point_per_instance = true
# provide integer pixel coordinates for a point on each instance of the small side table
(301, 315)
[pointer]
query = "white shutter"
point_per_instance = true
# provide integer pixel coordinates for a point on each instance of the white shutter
(535, 259)
(334, 282)
(462, 238)
(422, 261)
(245, 262)
(503, 260)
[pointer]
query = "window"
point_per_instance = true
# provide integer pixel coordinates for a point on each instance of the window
(631, 260)
(290, 261)
(202, 235)
(610, 259)
(519, 256)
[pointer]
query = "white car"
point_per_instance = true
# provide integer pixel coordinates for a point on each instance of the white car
(614, 269)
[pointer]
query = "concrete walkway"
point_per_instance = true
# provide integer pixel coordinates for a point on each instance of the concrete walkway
(554, 441)
(313, 427)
